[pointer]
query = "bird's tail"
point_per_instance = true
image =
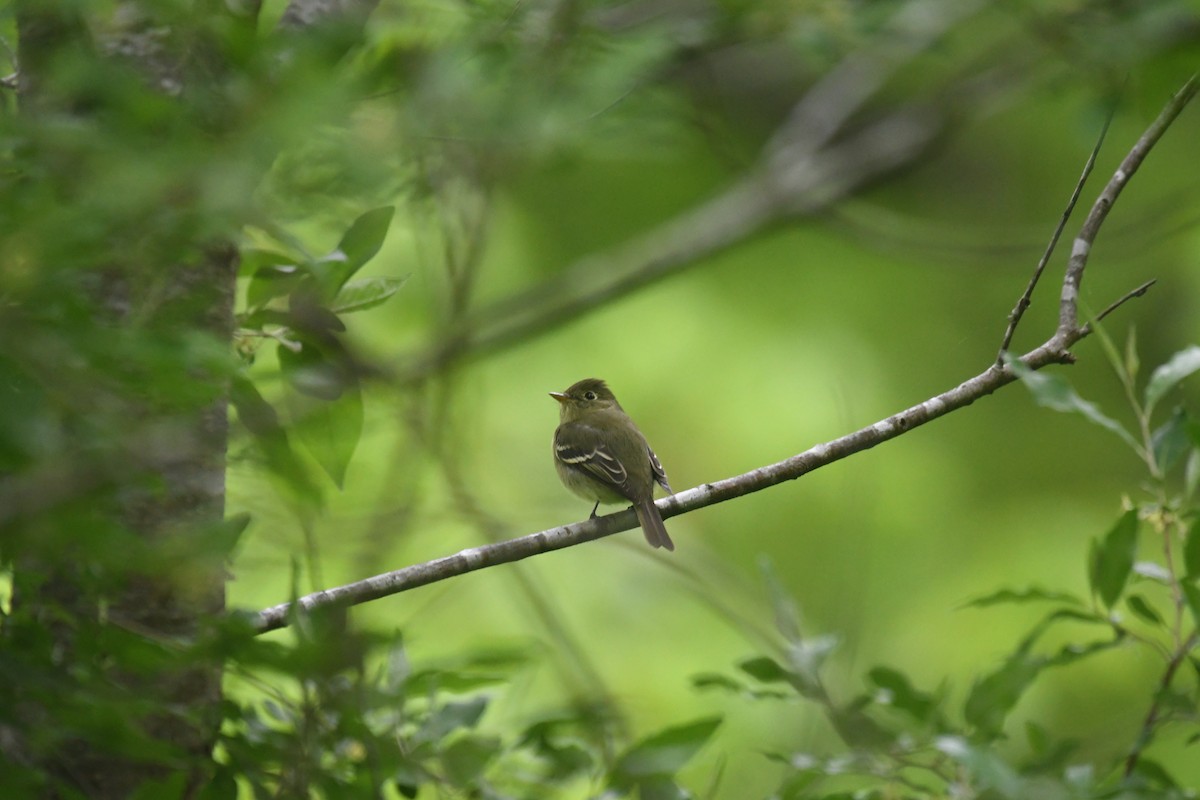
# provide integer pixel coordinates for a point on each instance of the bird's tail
(652, 525)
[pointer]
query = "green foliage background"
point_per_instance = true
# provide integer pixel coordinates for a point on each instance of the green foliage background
(507, 160)
(793, 338)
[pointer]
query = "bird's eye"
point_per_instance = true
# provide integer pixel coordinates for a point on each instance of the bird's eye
(589, 395)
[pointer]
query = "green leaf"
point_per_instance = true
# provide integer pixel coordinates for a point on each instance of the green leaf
(1191, 473)
(1132, 362)
(994, 696)
(715, 680)
(1029, 594)
(455, 681)
(662, 754)
(359, 245)
(1171, 440)
(1166, 377)
(222, 785)
(1191, 593)
(987, 768)
(260, 419)
(1139, 606)
(329, 429)
(902, 695)
(807, 657)
(787, 616)
(171, 786)
(1054, 392)
(452, 717)
(764, 669)
(363, 294)
(1155, 773)
(1112, 558)
(467, 757)
(1191, 550)
(252, 259)
(316, 371)
(271, 282)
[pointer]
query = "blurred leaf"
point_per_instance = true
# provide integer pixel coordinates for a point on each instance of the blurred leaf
(1191, 550)
(260, 419)
(992, 697)
(451, 717)
(1139, 606)
(566, 755)
(467, 757)
(427, 681)
(1155, 773)
(985, 766)
(252, 259)
(1153, 571)
(1191, 593)
(363, 294)
(787, 616)
(1132, 362)
(274, 281)
(806, 659)
(228, 533)
(764, 669)
(662, 754)
(715, 680)
(858, 730)
(329, 429)
(222, 785)
(1112, 558)
(316, 371)
(1191, 473)
(1027, 595)
(1054, 392)
(170, 786)
(1171, 440)
(1167, 376)
(359, 245)
(902, 695)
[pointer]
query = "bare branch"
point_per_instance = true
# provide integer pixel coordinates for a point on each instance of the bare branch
(477, 558)
(1053, 351)
(1122, 300)
(1014, 317)
(1068, 314)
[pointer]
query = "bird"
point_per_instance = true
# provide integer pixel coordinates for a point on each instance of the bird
(601, 455)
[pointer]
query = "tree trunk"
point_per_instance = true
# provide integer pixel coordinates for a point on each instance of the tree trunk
(125, 573)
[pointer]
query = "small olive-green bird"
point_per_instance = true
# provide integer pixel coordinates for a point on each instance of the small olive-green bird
(601, 455)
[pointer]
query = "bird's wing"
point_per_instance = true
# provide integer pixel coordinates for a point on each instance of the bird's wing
(579, 446)
(660, 474)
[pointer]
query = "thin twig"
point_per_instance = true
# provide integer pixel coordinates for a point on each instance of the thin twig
(1014, 317)
(1152, 716)
(1122, 300)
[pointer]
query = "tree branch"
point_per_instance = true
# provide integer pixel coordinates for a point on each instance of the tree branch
(1068, 306)
(1053, 351)
(1014, 317)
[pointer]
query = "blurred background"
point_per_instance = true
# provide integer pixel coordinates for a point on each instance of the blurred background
(838, 308)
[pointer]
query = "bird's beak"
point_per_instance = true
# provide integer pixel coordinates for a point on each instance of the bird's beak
(559, 396)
